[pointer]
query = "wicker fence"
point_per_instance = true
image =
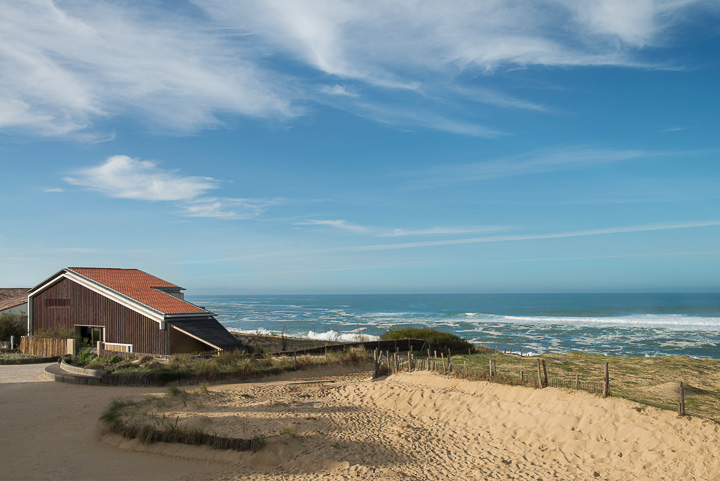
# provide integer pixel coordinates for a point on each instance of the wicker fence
(40, 346)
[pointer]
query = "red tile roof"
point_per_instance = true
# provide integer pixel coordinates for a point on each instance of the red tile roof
(140, 286)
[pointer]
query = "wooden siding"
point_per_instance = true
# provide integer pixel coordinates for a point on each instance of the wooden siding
(86, 307)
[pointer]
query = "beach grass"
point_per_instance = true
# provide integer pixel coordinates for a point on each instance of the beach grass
(653, 381)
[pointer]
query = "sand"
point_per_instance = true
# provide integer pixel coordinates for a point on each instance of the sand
(347, 426)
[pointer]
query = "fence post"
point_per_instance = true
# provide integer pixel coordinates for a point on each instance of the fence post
(539, 369)
(606, 383)
(681, 407)
(545, 372)
(577, 382)
(12, 342)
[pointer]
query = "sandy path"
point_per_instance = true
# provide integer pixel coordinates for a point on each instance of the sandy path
(50, 432)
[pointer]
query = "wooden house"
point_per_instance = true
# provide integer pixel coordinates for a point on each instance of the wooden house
(125, 309)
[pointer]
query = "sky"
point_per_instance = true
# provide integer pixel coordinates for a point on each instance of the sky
(286, 146)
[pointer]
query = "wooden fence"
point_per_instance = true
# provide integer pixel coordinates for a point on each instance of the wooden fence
(389, 362)
(46, 347)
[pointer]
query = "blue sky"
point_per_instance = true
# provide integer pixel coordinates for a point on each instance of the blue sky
(364, 147)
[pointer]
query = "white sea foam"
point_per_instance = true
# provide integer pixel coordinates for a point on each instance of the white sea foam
(340, 336)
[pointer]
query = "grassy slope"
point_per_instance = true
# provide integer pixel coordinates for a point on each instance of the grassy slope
(648, 380)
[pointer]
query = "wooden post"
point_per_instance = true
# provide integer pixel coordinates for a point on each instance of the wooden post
(539, 369)
(681, 407)
(469, 349)
(295, 360)
(577, 381)
(490, 367)
(544, 372)
(442, 356)
(409, 358)
(522, 377)
(606, 384)
(465, 366)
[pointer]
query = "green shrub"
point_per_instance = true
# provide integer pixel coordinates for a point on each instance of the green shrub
(59, 332)
(439, 340)
(95, 364)
(85, 357)
(12, 325)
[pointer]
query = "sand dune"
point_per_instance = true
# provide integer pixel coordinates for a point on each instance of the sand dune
(424, 426)
(408, 426)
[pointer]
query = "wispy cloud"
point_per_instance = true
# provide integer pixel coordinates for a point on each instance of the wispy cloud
(338, 90)
(433, 231)
(54, 190)
(527, 237)
(616, 256)
(69, 65)
(532, 163)
(336, 224)
(125, 177)
(224, 208)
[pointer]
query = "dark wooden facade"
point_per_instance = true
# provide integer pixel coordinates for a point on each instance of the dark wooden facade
(67, 304)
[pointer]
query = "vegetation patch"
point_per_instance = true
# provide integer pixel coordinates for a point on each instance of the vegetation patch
(192, 369)
(653, 381)
(12, 325)
(439, 340)
(146, 421)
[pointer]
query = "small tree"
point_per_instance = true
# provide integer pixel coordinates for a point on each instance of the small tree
(12, 325)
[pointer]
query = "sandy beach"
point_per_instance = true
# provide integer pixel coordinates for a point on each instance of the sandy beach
(343, 425)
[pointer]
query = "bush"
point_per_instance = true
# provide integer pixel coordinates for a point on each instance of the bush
(439, 340)
(12, 325)
(58, 332)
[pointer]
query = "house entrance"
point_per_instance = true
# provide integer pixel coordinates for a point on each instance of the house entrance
(90, 334)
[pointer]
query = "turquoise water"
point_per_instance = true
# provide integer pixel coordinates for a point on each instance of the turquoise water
(613, 324)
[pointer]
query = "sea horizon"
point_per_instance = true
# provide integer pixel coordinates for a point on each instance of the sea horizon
(625, 324)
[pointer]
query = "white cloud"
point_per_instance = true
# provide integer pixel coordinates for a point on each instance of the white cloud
(124, 177)
(67, 66)
(337, 224)
(54, 189)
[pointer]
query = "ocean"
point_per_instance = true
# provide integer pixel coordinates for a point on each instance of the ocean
(611, 324)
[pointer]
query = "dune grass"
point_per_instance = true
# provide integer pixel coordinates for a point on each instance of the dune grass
(647, 380)
(146, 421)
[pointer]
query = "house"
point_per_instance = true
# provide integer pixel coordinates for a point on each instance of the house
(13, 300)
(126, 309)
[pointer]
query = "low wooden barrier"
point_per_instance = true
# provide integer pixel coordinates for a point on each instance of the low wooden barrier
(41, 346)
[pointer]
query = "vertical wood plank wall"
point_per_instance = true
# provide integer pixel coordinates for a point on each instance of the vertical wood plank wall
(87, 307)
